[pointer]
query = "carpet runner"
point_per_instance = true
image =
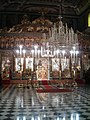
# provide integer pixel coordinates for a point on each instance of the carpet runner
(51, 88)
(47, 86)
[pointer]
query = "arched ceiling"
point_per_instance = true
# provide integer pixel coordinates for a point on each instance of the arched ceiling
(72, 11)
(65, 7)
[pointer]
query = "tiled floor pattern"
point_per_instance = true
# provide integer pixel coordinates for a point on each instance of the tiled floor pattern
(26, 104)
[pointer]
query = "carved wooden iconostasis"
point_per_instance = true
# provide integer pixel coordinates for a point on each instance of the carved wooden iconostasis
(61, 68)
(25, 65)
(44, 68)
(49, 54)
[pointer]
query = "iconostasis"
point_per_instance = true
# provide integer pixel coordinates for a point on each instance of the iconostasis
(44, 68)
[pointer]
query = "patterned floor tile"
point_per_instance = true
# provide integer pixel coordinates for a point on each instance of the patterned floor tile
(26, 104)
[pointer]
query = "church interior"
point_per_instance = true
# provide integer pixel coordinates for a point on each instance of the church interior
(44, 60)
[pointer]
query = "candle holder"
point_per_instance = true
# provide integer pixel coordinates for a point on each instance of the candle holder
(21, 53)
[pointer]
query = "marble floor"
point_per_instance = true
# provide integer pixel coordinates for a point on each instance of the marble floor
(25, 104)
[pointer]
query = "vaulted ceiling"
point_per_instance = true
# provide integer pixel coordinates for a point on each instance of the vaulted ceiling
(51, 8)
(65, 7)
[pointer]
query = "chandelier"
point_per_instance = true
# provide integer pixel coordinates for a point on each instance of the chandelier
(51, 38)
(60, 39)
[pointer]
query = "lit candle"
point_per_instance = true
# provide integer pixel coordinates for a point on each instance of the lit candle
(20, 49)
(71, 52)
(39, 53)
(24, 51)
(36, 46)
(63, 52)
(65, 59)
(60, 73)
(77, 52)
(57, 53)
(74, 73)
(74, 49)
(32, 51)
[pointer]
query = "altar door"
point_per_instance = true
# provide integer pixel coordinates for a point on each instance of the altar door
(42, 69)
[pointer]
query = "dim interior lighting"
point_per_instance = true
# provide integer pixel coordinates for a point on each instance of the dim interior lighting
(57, 44)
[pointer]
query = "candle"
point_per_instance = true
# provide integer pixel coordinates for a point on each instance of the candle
(65, 60)
(24, 51)
(39, 53)
(32, 53)
(60, 73)
(74, 73)
(63, 52)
